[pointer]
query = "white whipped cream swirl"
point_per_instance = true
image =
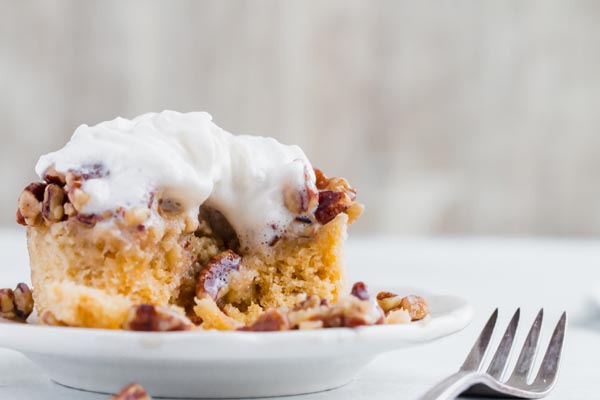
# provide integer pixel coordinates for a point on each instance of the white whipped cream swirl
(189, 159)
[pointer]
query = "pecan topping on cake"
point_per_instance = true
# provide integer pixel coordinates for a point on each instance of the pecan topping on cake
(330, 205)
(30, 204)
(52, 206)
(53, 176)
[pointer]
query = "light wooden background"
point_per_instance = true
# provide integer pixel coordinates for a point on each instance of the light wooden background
(451, 117)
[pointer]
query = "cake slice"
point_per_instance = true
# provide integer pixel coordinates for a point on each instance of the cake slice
(168, 217)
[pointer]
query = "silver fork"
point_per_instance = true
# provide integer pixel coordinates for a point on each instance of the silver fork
(472, 380)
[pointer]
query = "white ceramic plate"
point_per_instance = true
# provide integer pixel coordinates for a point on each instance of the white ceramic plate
(224, 364)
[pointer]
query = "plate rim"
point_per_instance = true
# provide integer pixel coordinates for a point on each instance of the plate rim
(104, 343)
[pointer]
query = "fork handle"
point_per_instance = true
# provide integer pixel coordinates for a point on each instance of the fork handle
(451, 387)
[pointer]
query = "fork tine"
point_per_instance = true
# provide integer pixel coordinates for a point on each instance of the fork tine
(527, 356)
(500, 360)
(476, 356)
(551, 361)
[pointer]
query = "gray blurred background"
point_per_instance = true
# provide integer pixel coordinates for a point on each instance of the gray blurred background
(450, 117)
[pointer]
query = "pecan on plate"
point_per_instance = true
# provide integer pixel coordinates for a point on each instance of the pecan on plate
(132, 391)
(360, 291)
(151, 318)
(16, 304)
(271, 320)
(416, 306)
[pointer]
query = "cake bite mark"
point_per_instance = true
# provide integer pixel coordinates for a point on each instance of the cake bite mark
(215, 275)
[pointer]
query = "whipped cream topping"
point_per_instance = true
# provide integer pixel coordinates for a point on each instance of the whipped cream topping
(189, 160)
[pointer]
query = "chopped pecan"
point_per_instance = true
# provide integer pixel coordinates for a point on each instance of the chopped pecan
(330, 205)
(52, 205)
(87, 219)
(334, 184)
(16, 304)
(360, 291)
(321, 180)
(388, 301)
(151, 318)
(349, 312)
(69, 210)
(23, 301)
(132, 391)
(215, 274)
(78, 198)
(53, 176)
(20, 219)
(7, 304)
(76, 195)
(271, 320)
(30, 204)
(311, 301)
(416, 306)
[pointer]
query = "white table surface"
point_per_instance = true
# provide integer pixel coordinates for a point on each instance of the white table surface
(506, 273)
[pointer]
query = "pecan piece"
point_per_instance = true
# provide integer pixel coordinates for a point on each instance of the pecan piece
(322, 180)
(301, 201)
(53, 176)
(271, 320)
(52, 205)
(360, 291)
(215, 275)
(23, 301)
(87, 219)
(7, 303)
(330, 205)
(334, 184)
(388, 301)
(16, 304)
(30, 204)
(132, 391)
(416, 306)
(151, 318)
